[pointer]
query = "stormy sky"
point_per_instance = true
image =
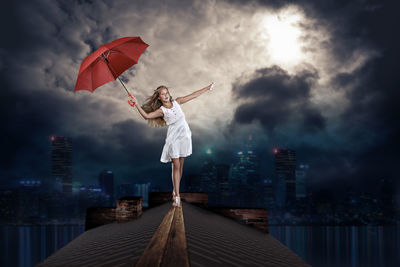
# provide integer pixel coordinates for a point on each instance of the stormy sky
(319, 77)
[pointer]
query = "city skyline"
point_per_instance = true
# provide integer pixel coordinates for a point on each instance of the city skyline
(236, 184)
(267, 173)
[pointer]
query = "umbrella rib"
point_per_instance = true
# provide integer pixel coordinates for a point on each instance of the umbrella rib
(119, 52)
(123, 44)
(109, 68)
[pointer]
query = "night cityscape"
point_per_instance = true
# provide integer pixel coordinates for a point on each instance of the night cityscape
(287, 136)
(59, 199)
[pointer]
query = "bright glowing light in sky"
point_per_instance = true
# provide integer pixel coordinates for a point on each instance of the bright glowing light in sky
(283, 35)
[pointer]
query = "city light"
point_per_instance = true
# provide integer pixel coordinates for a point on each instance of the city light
(30, 182)
(208, 151)
(95, 189)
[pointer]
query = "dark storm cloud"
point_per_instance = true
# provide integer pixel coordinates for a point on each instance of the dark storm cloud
(374, 111)
(365, 146)
(275, 98)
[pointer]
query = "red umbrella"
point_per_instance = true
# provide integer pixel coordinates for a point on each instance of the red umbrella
(108, 62)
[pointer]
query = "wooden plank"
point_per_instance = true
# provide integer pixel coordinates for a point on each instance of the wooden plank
(176, 253)
(154, 251)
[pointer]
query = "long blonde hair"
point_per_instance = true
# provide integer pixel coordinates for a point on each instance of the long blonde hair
(153, 103)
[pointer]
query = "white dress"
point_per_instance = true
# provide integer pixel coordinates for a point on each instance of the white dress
(179, 137)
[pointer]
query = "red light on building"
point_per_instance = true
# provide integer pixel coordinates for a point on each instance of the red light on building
(52, 138)
(275, 150)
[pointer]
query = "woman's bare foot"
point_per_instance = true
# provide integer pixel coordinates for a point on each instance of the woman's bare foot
(178, 202)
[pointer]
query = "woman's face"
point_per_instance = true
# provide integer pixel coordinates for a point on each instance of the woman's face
(164, 95)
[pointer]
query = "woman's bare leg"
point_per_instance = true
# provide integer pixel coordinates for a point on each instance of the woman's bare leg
(181, 159)
(176, 174)
(172, 177)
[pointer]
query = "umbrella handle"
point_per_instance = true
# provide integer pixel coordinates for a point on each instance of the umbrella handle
(130, 101)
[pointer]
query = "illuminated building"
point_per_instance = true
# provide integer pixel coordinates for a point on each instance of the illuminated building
(208, 176)
(285, 178)
(301, 174)
(143, 191)
(106, 182)
(268, 194)
(246, 176)
(29, 202)
(61, 159)
(90, 196)
(223, 183)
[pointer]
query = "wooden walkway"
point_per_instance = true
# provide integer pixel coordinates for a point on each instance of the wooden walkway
(168, 246)
(169, 236)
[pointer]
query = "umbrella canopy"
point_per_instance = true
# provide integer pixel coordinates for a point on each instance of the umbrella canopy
(108, 62)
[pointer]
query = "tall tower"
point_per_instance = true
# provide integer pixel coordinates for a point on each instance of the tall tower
(301, 174)
(106, 182)
(248, 164)
(285, 175)
(61, 162)
(246, 175)
(208, 175)
(223, 183)
(143, 191)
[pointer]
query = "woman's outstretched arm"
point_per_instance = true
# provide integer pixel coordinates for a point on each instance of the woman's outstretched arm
(151, 115)
(184, 99)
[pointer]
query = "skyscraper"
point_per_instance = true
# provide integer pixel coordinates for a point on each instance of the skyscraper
(61, 159)
(285, 177)
(223, 184)
(268, 199)
(143, 191)
(106, 182)
(251, 163)
(208, 176)
(246, 175)
(301, 174)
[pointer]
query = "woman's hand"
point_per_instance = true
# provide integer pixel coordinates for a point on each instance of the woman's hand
(211, 86)
(132, 100)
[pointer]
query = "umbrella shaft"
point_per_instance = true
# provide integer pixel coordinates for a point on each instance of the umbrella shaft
(108, 64)
(123, 85)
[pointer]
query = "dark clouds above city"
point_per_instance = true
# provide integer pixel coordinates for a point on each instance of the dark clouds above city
(319, 77)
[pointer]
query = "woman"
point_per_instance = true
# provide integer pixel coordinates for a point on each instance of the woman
(161, 109)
